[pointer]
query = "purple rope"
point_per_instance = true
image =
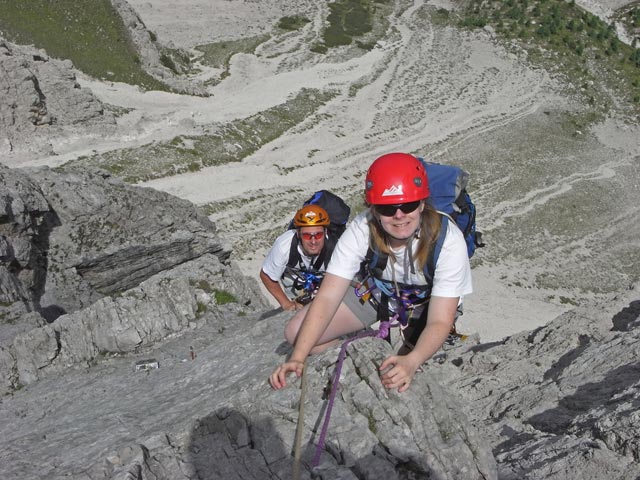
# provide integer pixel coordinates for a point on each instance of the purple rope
(381, 333)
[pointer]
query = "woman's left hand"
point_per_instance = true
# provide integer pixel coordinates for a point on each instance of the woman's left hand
(399, 371)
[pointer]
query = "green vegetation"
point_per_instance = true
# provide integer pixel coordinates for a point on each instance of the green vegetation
(218, 54)
(230, 143)
(568, 301)
(561, 35)
(88, 32)
(347, 19)
(295, 22)
(201, 309)
(373, 427)
(223, 297)
(361, 21)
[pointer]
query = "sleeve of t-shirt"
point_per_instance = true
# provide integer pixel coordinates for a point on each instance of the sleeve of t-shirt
(276, 260)
(452, 277)
(351, 249)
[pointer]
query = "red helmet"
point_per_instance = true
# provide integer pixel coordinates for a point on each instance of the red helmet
(396, 178)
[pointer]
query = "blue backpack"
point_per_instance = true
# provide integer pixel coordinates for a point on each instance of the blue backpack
(448, 187)
(448, 194)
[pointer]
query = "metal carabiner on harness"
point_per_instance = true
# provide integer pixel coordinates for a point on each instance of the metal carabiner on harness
(366, 295)
(308, 283)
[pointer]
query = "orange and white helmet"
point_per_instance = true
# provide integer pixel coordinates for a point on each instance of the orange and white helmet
(311, 216)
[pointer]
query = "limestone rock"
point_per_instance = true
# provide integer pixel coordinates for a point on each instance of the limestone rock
(82, 251)
(558, 402)
(41, 100)
(71, 237)
(151, 53)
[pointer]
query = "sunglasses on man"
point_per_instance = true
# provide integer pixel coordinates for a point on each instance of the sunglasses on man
(390, 210)
(311, 236)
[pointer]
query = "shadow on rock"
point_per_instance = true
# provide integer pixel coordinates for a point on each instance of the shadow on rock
(589, 397)
(229, 445)
(624, 320)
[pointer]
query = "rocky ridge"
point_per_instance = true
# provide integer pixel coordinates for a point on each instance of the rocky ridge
(164, 378)
(77, 248)
(98, 278)
(151, 52)
(43, 101)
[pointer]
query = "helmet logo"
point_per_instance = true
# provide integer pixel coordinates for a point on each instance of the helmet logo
(392, 191)
(310, 216)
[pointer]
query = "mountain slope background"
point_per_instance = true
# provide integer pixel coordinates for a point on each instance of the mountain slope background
(268, 107)
(544, 133)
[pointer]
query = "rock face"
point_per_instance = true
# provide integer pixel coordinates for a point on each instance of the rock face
(151, 53)
(140, 278)
(83, 240)
(212, 415)
(41, 97)
(559, 402)
(556, 403)
(70, 238)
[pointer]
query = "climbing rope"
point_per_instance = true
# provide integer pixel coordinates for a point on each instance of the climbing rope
(383, 332)
(298, 440)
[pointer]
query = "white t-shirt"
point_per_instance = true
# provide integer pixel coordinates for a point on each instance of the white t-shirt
(276, 260)
(452, 277)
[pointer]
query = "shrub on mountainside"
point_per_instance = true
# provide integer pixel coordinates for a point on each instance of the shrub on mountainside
(589, 47)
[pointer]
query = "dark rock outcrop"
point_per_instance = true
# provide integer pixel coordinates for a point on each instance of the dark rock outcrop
(71, 237)
(81, 251)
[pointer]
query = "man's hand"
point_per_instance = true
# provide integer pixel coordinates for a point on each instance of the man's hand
(291, 306)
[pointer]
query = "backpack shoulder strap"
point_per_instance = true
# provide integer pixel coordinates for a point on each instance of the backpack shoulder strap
(374, 263)
(430, 266)
(294, 255)
(330, 241)
(322, 259)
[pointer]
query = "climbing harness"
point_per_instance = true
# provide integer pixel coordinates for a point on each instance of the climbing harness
(384, 298)
(304, 281)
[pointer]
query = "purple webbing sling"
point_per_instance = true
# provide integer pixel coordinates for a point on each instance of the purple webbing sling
(383, 332)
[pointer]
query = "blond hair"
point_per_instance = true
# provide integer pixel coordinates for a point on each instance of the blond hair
(429, 230)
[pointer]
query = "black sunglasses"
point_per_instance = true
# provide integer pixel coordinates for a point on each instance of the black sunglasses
(390, 210)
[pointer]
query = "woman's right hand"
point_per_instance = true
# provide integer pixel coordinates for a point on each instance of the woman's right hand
(278, 378)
